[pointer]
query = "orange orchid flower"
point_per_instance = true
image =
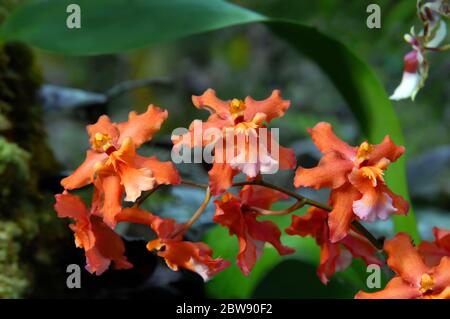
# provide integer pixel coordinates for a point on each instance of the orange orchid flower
(177, 253)
(440, 247)
(334, 257)
(115, 165)
(100, 243)
(239, 120)
(237, 215)
(414, 278)
(355, 175)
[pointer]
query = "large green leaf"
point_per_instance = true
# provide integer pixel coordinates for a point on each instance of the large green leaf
(110, 26)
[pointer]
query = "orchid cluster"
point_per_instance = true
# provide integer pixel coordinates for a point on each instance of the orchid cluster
(429, 38)
(122, 180)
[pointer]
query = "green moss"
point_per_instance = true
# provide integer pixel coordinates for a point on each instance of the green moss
(13, 280)
(29, 229)
(14, 173)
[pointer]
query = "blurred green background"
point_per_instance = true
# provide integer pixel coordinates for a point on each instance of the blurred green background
(236, 62)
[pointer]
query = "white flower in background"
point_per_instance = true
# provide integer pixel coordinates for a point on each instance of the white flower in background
(415, 70)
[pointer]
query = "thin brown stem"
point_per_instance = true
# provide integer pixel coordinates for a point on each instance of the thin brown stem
(200, 210)
(146, 195)
(194, 184)
(301, 201)
(357, 226)
(297, 205)
(196, 215)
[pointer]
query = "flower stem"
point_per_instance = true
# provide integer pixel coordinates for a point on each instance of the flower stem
(267, 212)
(357, 226)
(200, 210)
(301, 201)
(146, 195)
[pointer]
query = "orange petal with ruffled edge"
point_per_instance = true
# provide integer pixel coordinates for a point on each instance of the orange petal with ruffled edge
(68, 205)
(101, 244)
(341, 217)
(136, 216)
(108, 247)
(396, 288)
(134, 179)
(440, 234)
(314, 224)
(377, 202)
(140, 128)
(208, 100)
(323, 136)
(432, 253)
(196, 257)
(360, 247)
(202, 134)
(103, 126)
(399, 203)
(260, 196)
(386, 149)
(329, 257)
(287, 158)
(441, 275)
(266, 231)
(404, 259)
(112, 192)
(251, 234)
(311, 224)
(331, 172)
(84, 174)
(221, 178)
(274, 106)
(163, 172)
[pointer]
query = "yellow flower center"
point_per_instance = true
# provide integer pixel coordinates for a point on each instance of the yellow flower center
(102, 142)
(363, 152)
(237, 108)
(373, 173)
(245, 127)
(426, 283)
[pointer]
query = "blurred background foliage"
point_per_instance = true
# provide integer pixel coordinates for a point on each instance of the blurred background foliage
(238, 61)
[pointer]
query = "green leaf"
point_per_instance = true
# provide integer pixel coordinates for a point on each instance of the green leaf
(111, 26)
